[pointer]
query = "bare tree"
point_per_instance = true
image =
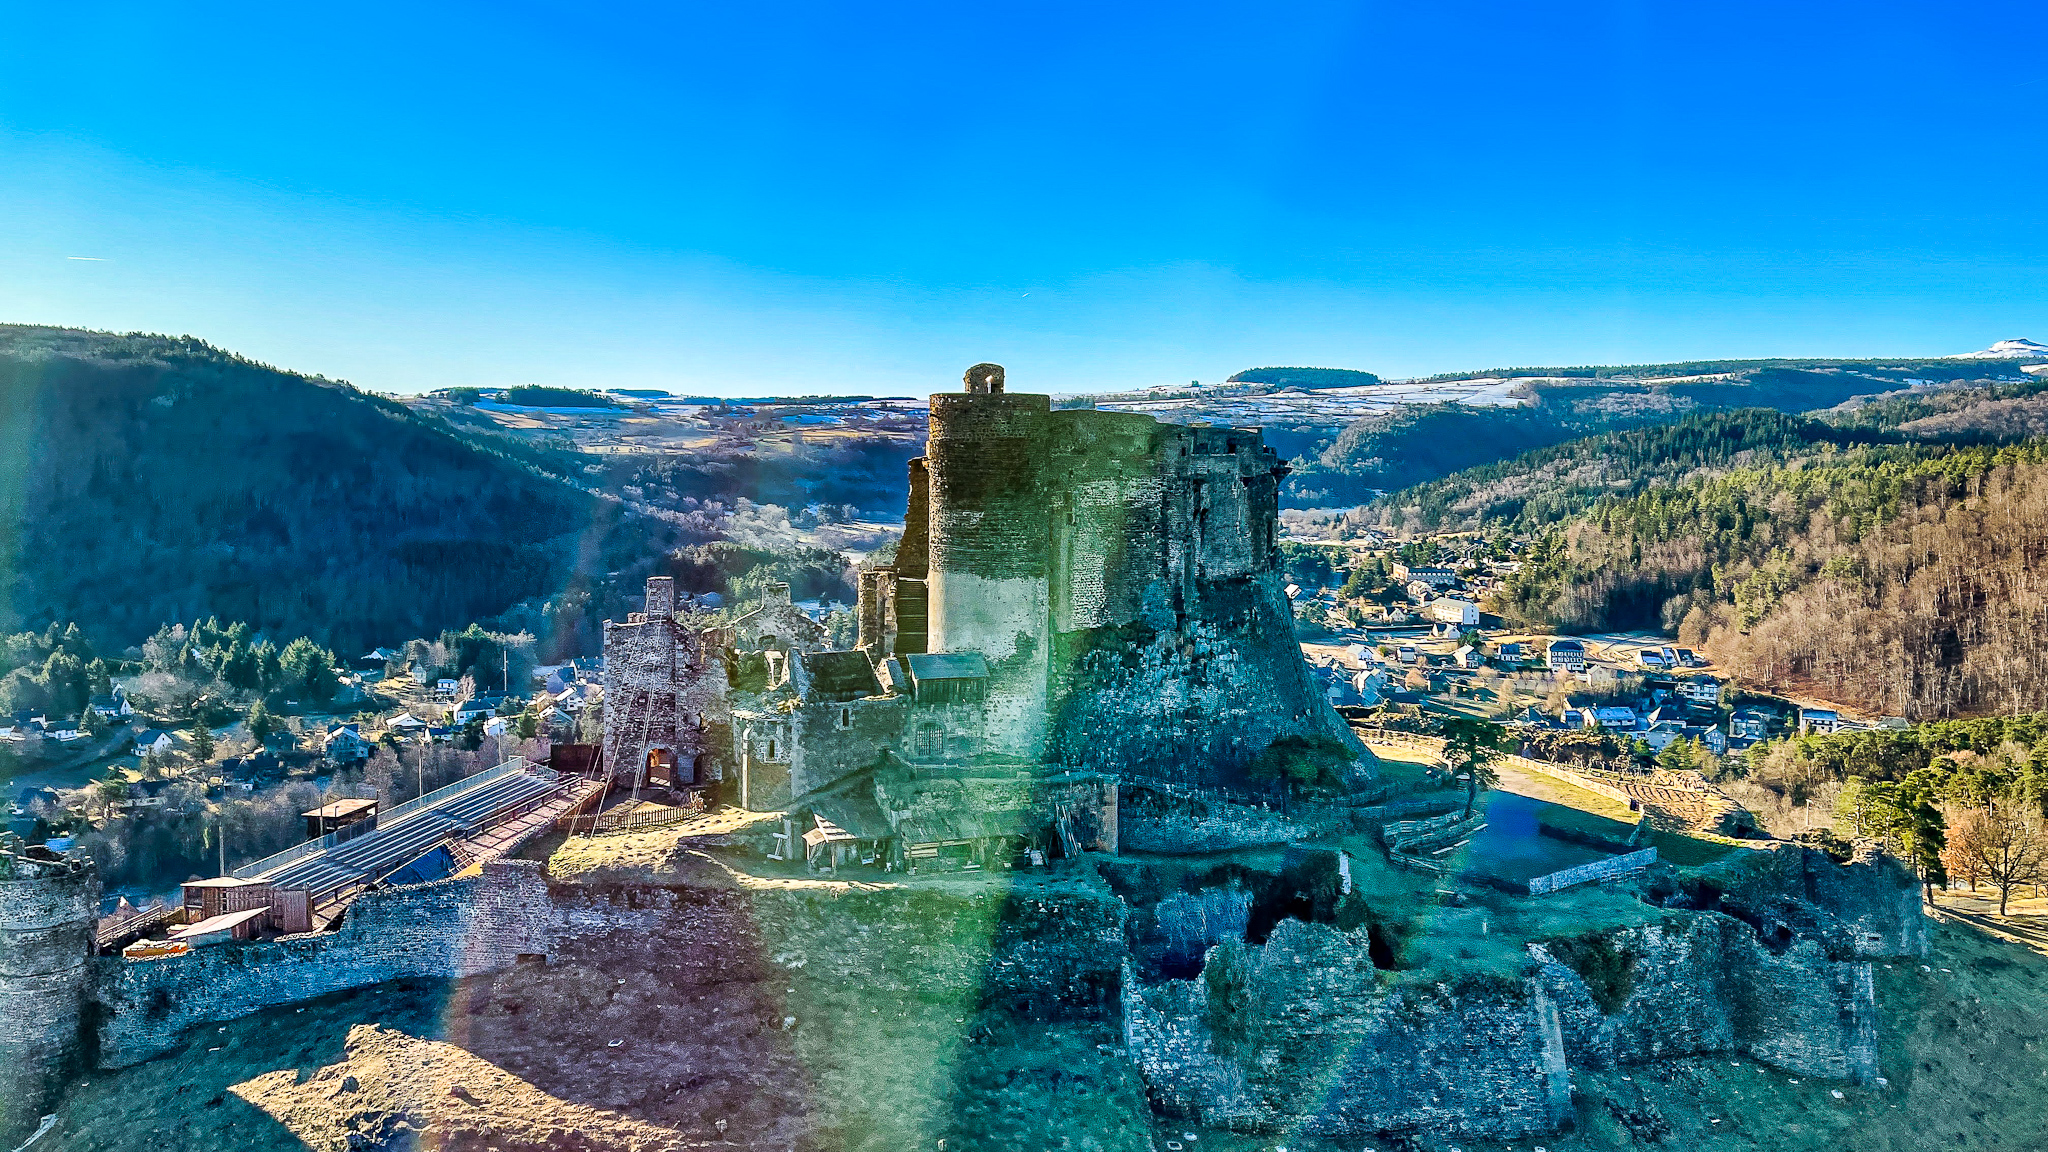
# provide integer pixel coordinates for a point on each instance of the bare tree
(2005, 844)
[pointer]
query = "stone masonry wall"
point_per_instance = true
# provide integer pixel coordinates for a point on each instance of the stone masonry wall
(48, 910)
(685, 710)
(1702, 983)
(1308, 1040)
(1056, 950)
(449, 928)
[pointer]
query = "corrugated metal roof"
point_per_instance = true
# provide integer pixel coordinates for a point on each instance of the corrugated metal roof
(225, 922)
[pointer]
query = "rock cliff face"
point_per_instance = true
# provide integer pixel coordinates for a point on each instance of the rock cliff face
(1302, 1033)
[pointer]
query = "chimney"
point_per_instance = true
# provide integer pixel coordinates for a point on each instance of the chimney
(661, 597)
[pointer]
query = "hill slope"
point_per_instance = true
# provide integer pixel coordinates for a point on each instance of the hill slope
(152, 479)
(1419, 444)
(1902, 577)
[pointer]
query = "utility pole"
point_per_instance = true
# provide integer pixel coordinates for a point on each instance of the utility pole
(220, 836)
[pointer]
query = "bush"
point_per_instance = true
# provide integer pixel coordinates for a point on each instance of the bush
(1304, 761)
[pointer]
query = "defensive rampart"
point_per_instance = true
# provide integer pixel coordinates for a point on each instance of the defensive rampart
(1050, 948)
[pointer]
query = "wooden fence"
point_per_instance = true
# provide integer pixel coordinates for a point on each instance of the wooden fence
(632, 819)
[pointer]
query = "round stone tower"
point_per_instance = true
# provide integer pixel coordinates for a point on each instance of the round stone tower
(989, 532)
(49, 907)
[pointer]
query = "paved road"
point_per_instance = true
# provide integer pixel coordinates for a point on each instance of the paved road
(374, 854)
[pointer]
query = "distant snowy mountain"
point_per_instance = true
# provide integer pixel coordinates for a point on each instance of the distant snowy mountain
(2007, 350)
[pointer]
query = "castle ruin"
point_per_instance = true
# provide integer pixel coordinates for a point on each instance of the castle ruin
(1077, 597)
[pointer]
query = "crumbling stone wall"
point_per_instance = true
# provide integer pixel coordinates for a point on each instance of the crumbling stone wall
(777, 624)
(1867, 908)
(1299, 1035)
(449, 928)
(1156, 821)
(48, 911)
(1703, 983)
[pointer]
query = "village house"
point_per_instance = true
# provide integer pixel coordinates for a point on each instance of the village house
(1453, 611)
(154, 740)
(114, 705)
(1466, 656)
(1565, 656)
(1371, 686)
(1432, 575)
(477, 708)
(1750, 723)
(344, 744)
(1821, 721)
(1616, 718)
(1662, 734)
(1702, 690)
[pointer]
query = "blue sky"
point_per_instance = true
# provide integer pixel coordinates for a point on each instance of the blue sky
(748, 198)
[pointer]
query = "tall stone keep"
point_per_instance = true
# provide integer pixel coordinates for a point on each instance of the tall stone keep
(1120, 575)
(987, 552)
(49, 907)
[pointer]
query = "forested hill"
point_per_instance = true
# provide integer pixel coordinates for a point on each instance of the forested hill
(153, 479)
(1548, 485)
(1906, 579)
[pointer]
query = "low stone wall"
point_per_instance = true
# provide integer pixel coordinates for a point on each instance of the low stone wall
(1611, 868)
(1046, 950)
(450, 928)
